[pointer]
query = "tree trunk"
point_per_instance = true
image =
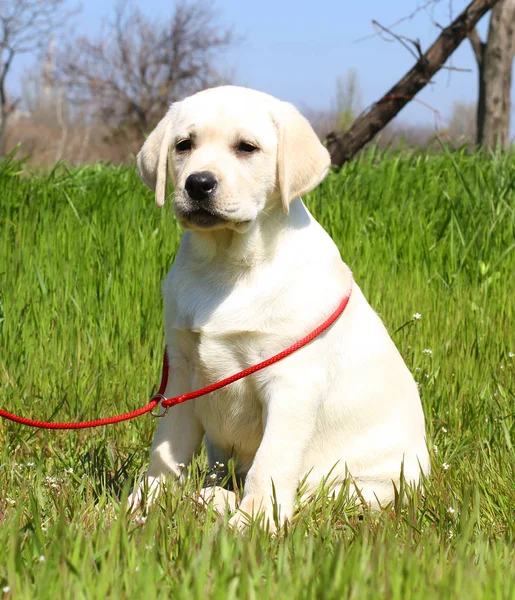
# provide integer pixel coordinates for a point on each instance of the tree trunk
(479, 48)
(343, 146)
(494, 129)
(2, 132)
(5, 65)
(3, 109)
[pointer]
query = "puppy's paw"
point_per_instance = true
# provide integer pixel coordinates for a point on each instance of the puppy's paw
(221, 499)
(253, 508)
(144, 494)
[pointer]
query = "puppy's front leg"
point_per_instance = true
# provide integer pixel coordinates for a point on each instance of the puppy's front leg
(289, 419)
(178, 436)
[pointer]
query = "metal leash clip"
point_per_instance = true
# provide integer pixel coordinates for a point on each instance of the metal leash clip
(159, 415)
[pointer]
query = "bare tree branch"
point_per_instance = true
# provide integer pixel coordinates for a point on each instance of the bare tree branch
(410, 17)
(478, 46)
(25, 26)
(343, 146)
(403, 40)
(138, 67)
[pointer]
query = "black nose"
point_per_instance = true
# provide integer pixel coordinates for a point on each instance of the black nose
(201, 185)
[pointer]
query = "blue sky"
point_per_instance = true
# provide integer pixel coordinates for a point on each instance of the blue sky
(295, 50)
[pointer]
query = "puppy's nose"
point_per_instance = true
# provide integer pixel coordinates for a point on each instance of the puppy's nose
(201, 185)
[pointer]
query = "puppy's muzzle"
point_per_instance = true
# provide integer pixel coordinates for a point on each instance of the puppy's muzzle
(201, 186)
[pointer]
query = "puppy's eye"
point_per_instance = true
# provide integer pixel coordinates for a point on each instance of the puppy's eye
(183, 145)
(246, 148)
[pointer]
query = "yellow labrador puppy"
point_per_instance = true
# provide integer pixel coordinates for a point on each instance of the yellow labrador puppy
(254, 273)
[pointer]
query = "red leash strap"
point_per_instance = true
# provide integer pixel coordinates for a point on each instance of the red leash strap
(166, 403)
(266, 363)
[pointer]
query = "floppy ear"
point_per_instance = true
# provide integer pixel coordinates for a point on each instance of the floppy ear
(152, 159)
(302, 161)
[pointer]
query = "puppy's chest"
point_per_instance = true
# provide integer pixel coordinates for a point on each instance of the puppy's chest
(232, 416)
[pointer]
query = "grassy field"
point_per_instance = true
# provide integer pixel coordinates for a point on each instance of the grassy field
(82, 257)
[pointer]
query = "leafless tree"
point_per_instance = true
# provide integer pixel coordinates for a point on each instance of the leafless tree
(348, 99)
(344, 107)
(495, 62)
(25, 26)
(461, 126)
(343, 146)
(138, 66)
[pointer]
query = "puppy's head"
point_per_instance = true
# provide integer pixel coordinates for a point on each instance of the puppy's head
(229, 152)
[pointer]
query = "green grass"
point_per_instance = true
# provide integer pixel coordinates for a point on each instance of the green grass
(82, 257)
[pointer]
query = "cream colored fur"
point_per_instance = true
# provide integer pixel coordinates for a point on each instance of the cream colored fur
(249, 285)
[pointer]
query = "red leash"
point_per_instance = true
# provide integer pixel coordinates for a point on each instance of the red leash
(166, 403)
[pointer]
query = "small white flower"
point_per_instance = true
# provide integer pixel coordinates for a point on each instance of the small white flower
(42, 558)
(502, 367)
(445, 466)
(451, 510)
(212, 476)
(451, 535)
(418, 369)
(6, 589)
(181, 466)
(141, 520)
(444, 430)
(511, 355)
(30, 464)
(70, 470)
(435, 448)
(43, 528)
(427, 351)
(417, 316)
(10, 501)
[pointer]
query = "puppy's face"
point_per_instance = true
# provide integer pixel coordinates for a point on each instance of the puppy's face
(230, 152)
(223, 160)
